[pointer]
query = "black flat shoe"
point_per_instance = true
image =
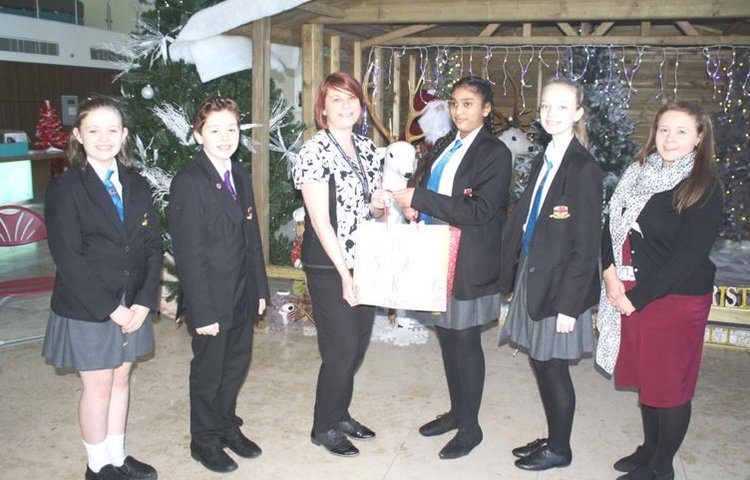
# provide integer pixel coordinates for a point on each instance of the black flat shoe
(107, 472)
(134, 469)
(647, 472)
(355, 429)
(529, 448)
(241, 445)
(335, 442)
(213, 458)
(442, 424)
(544, 459)
(460, 445)
(641, 456)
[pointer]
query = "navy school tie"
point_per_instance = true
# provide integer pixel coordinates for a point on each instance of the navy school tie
(114, 195)
(535, 207)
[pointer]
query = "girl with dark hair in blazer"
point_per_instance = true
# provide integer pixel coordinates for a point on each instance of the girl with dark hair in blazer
(104, 237)
(220, 265)
(465, 182)
(551, 249)
(658, 279)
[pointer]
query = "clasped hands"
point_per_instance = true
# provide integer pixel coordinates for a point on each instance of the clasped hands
(615, 290)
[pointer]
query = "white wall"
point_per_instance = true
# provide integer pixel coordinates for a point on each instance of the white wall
(75, 41)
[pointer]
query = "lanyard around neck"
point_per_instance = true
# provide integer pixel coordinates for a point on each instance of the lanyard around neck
(357, 168)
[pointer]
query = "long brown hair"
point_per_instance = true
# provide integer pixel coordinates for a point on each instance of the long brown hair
(76, 153)
(579, 127)
(704, 170)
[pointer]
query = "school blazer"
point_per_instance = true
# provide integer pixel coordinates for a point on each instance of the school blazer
(478, 207)
(562, 267)
(99, 259)
(216, 243)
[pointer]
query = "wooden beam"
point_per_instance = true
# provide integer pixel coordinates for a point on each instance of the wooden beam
(395, 34)
(261, 114)
(602, 29)
(312, 73)
(322, 9)
(526, 30)
(573, 41)
(396, 104)
(645, 29)
(708, 30)
(687, 29)
(335, 53)
(566, 29)
(476, 11)
(377, 95)
(489, 30)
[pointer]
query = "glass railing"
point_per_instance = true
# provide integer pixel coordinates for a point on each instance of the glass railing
(113, 15)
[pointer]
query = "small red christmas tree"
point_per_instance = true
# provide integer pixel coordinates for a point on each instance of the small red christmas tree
(49, 131)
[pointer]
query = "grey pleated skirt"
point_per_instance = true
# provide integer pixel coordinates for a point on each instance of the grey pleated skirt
(462, 314)
(82, 345)
(540, 338)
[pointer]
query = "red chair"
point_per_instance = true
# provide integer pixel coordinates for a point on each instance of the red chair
(21, 226)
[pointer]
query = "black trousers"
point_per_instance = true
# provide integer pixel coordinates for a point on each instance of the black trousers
(217, 372)
(343, 338)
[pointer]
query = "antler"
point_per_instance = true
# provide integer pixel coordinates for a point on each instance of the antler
(413, 113)
(502, 122)
(371, 107)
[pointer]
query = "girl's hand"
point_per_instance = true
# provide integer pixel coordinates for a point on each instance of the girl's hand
(403, 197)
(624, 306)
(140, 313)
(347, 286)
(410, 214)
(211, 330)
(613, 285)
(261, 306)
(121, 316)
(565, 323)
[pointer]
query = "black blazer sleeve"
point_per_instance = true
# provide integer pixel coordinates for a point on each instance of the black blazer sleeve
(607, 253)
(256, 254)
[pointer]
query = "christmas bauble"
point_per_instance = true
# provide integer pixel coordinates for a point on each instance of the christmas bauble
(147, 92)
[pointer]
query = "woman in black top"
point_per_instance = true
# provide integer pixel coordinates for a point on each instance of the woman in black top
(658, 278)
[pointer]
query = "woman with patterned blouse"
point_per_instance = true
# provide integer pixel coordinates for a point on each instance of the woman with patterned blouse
(339, 174)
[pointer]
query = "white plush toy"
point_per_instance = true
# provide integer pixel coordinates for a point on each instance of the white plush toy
(399, 166)
(517, 142)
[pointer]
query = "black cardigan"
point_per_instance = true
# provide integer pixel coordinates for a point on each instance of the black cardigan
(671, 254)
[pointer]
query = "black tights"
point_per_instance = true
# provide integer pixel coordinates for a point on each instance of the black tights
(558, 399)
(463, 359)
(663, 432)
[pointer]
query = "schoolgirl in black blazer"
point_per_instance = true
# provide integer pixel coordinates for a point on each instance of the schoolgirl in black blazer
(104, 237)
(549, 262)
(465, 183)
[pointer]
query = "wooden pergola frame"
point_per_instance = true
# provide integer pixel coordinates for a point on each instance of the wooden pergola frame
(578, 22)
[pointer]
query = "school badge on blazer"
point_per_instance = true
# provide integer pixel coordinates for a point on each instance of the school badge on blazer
(249, 215)
(144, 222)
(560, 212)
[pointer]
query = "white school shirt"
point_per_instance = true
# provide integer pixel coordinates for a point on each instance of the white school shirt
(555, 154)
(450, 169)
(101, 172)
(222, 166)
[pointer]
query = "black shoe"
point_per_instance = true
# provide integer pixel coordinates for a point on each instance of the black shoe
(442, 424)
(241, 445)
(213, 458)
(543, 459)
(355, 429)
(335, 442)
(460, 445)
(134, 469)
(647, 472)
(107, 472)
(641, 456)
(529, 448)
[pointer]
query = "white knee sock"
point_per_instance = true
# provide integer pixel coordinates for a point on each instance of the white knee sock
(116, 449)
(97, 455)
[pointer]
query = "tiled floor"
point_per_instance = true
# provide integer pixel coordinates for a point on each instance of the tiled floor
(397, 389)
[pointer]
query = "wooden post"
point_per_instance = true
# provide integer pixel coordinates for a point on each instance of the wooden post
(377, 96)
(312, 73)
(396, 117)
(261, 113)
(335, 53)
(357, 60)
